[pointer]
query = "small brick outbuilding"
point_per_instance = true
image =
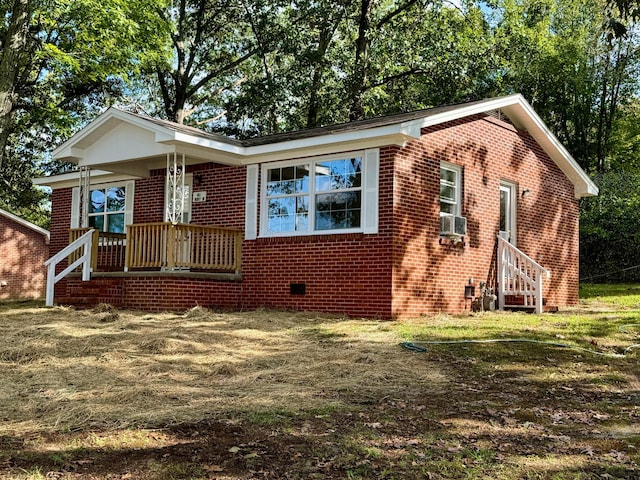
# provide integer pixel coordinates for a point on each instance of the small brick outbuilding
(24, 247)
(392, 217)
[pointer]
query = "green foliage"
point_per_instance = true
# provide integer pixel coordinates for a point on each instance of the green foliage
(78, 57)
(609, 234)
(255, 67)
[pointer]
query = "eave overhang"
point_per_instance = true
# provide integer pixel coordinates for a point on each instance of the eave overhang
(523, 117)
(45, 233)
(71, 179)
(131, 145)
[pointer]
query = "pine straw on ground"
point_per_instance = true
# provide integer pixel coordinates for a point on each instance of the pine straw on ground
(104, 394)
(68, 370)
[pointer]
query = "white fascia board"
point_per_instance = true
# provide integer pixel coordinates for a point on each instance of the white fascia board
(397, 134)
(583, 185)
(523, 116)
(136, 169)
(71, 179)
(27, 224)
(230, 154)
(466, 111)
(69, 154)
(181, 137)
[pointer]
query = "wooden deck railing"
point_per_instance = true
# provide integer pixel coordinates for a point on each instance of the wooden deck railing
(519, 275)
(108, 249)
(182, 246)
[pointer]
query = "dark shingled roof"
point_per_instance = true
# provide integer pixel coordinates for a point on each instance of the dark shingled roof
(310, 132)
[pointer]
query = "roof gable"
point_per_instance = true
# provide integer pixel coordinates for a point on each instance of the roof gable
(118, 136)
(25, 223)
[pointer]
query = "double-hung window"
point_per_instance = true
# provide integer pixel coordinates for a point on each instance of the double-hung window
(450, 189)
(106, 209)
(320, 195)
(109, 209)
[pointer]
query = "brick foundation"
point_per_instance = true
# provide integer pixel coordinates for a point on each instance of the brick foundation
(406, 269)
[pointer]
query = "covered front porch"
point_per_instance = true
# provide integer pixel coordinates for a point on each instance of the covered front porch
(159, 249)
(161, 246)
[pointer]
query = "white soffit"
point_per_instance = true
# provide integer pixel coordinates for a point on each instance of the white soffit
(150, 137)
(523, 116)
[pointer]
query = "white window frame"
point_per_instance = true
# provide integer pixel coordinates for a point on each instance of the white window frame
(368, 188)
(457, 184)
(129, 187)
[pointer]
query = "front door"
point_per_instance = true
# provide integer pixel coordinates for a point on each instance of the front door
(508, 209)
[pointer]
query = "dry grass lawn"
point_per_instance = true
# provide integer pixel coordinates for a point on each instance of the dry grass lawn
(107, 394)
(75, 370)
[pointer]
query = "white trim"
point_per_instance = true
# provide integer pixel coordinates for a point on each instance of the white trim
(128, 201)
(512, 188)
(129, 196)
(251, 204)
(26, 223)
(457, 169)
(74, 215)
(312, 193)
(362, 136)
(66, 180)
(370, 193)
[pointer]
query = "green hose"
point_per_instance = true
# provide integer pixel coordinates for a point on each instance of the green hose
(417, 345)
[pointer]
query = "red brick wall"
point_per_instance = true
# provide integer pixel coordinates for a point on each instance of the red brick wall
(155, 293)
(225, 188)
(148, 199)
(59, 230)
(429, 276)
(404, 270)
(23, 252)
(343, 273)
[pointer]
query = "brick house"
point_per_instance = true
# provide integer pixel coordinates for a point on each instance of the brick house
(391, 217)
(24, 247)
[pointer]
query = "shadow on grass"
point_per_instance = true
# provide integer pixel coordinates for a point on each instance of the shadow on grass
(279, 395)
(591, 290)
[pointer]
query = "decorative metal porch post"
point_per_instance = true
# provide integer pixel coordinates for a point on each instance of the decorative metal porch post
(85, 194)
(175, 188)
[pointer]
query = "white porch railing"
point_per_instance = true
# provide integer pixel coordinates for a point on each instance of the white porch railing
(85, 241)
(519, 275)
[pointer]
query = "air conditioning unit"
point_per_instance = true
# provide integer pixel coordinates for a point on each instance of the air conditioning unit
(453, 226)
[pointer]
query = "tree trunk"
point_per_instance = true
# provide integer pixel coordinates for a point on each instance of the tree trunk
(13, 46)
(326, 35)
(359, 78)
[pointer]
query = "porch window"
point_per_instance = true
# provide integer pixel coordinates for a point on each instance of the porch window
(320, 195)
(110, 207)
(450, 189)
(106, 209)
